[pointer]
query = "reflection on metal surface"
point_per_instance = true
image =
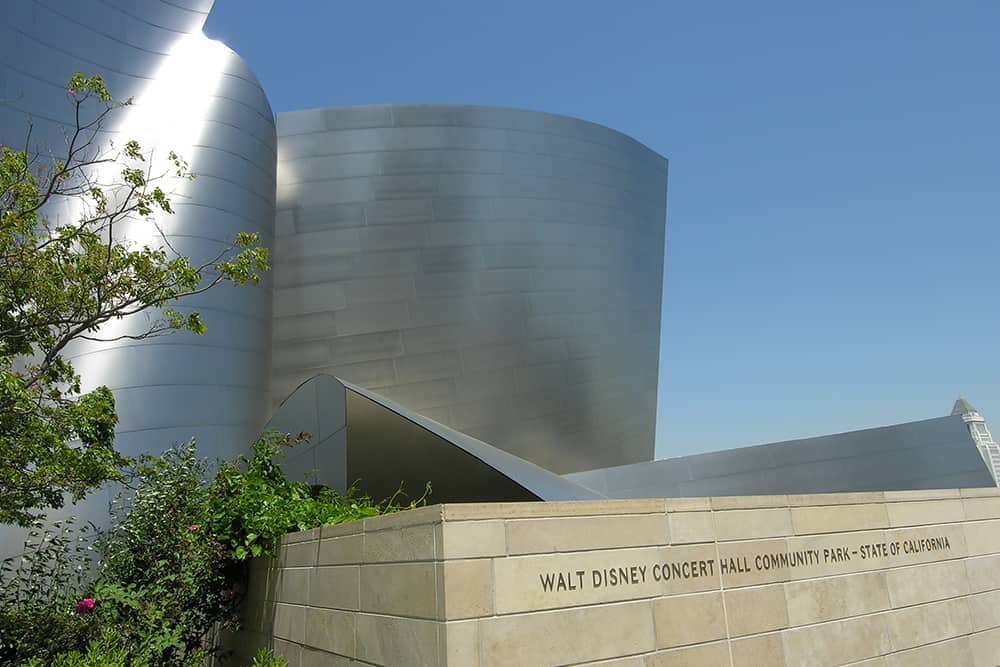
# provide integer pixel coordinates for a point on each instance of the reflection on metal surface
(195, 96)
(496, 270)
(930, 454)
(361, 437)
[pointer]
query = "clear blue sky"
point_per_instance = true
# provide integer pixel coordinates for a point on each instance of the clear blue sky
(833, 217)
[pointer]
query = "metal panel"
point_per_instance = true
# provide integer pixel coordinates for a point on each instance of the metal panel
(527, 246)
(197, 97)
(362, 437)
(929, 454)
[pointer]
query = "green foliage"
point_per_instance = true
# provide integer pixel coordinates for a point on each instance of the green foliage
(108, 649)
(265, 658)
(39, 594)
(249, 510)
(61, 282)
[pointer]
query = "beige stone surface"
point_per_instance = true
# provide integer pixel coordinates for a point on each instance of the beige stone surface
(837, 643)
(567, 636)
(400, 589)
(839, 518)
(390, 640)
(841, 579)
(927, 583)
(534, 536)
(760, 651)
(289, 622)
(747, 502)
(574, 508)
(982, 537)
(740, 524)
(335, 587)
(410, 543)
(468, 588)
(927, 623)
(292, 585)
(832, 598)
(976, 509)
(691, 527)
(985, 611)
(985, 648)
(756, 609)
(953, 653)
(473, 539)
(462, 643)
(983, 573)
(298, 554)
(550, 581)
(825, 499)
(689, 619)
(918, 513)
(737, 566)
(715, 654)
(330, 630)
(343, 550)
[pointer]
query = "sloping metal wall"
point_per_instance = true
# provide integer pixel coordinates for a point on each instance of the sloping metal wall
(496, 270)
(930, 454)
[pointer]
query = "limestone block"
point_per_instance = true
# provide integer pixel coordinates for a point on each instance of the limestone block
(745, 524)
(335, 587)
(756, 609)
(468, 588)
(982, 537)
(956, 652)
(348, 549)
(985, 611)
(409, 543)
(838, 518)
(705, 655)
(927, 583)
(983, 573)
(292, 585)
(689, 619)
(831, 598)
(761, 651)
(532, 536)
(462, 643)
(738, 567)
(289, 622)
(689, 527)
(837, 643)
(400, 589)
(330, 630)
(567, 636)
(985, 648)
(312, 658)
(390, 640)
(981, 508)
(472, 539)
(926, 623)
(918, 513)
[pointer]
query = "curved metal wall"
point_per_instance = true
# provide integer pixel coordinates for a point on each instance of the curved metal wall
(197, 97)
(496, 270)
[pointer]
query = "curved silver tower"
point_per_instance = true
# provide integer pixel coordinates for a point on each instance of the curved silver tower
(496, 270)
(198, 98)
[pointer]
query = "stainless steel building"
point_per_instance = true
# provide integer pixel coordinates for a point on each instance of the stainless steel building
(195, 96)
(496, 270)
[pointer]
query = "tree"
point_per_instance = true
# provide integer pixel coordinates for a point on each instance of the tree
(60, 282)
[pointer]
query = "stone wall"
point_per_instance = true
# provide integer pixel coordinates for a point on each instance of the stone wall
(874, 579)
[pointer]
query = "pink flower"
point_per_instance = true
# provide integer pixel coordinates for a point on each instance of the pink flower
(85, 605)
(193, 527)
(71, 91)
(228, 595)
